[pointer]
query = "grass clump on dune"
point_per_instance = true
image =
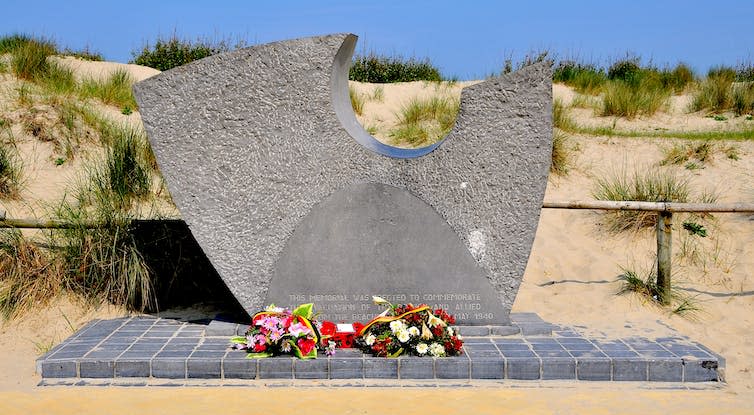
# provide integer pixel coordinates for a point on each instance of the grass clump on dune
(584, 78)
(376, 68)
(10, 172)
(104, 262)
(115, 90)
(29, 275)
(629, 99)
(424, 121)
(29, 58)
(645, 185)
(172, 52)
(357, 101)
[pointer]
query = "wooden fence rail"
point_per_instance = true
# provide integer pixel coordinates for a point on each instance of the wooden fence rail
(664, 227)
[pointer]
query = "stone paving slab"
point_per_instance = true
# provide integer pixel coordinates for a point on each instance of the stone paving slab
(135, 349)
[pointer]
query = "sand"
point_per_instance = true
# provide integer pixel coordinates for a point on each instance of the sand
(570, 280)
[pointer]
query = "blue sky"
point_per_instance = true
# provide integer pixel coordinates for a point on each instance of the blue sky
(467, 40)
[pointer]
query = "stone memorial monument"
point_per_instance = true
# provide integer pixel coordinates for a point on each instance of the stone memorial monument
(293, 201)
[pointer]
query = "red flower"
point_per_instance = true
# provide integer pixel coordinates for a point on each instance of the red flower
(287, 322)
(306, 345)
(437, 331)
(260, 347)
(328, 328)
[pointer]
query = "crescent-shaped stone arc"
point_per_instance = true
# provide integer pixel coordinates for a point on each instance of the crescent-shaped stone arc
(250, 140)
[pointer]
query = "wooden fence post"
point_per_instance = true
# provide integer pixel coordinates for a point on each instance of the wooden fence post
(664, 254)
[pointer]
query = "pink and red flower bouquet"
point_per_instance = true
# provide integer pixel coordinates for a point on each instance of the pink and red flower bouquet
(276, 331)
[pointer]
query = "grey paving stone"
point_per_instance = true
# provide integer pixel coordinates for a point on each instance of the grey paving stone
(167, 353)
(471, 331)
(380, 368)
(488, 353)
(97, 369)
(456, 367)
(483, 368)
(513, 347)
(536, 329)
(349, 353)
(538, 345)
(558, 368)
(276, 368)
(583, 354)
(208, 354)
(240, 368)
(593, 368)
(620, 353)
(523, 368)
(526, 317)
(132, 368)
(203, 368)
(630, 369)
(416, 367)
(656, 354)
(169, 368)
(551, 354)
(59, 369)
(519, 354)
(138, 354)
(103, 354)
(346, 368)
(666, 370)
(504, 330)
(221, 328)
(310, 369)
(700, 370)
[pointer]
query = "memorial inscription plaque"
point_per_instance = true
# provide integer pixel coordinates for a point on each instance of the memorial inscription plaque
(256, 144)
(373, 239)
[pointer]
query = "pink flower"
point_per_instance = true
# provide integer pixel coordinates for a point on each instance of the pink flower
(260, 339)
(298, 329)
(270, 322)
(276, 334)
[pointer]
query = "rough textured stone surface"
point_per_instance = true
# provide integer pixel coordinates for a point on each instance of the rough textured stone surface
(251, 140)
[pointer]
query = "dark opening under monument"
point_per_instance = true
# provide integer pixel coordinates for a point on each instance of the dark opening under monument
(293, 202)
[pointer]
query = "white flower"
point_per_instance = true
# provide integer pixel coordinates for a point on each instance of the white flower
(434, 321)
(422, 348)
(272, 309)
(413, 330)
(403, 336)
(459, 337)
(369, 340)
(450, 331)
(436, 349)
(426, 332)
(397, 325)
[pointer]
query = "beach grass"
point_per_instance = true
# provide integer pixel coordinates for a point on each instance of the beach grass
(115, 90)
(376, 68)
(425, 121)
(357, 101)
(642, 184)
(10, 171)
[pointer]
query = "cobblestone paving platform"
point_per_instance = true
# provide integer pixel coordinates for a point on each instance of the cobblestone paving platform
(141, 350)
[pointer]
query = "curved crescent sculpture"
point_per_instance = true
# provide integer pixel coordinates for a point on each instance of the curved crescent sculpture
(259, 145)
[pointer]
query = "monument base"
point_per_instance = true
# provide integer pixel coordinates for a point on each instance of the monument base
(157, 351)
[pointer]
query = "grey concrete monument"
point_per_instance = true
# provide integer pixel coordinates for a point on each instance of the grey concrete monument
(293, 201)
